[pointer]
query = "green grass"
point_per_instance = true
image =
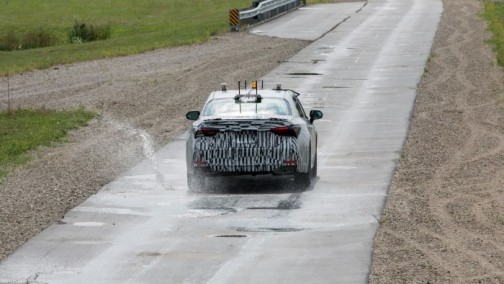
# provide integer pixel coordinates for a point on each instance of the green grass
(136, 27)
(494, 14)
(24, 130)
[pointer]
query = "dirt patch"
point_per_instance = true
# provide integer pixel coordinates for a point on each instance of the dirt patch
(444, 218)
(152, 92)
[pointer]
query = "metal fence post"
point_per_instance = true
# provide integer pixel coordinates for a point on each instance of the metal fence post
(234, 20)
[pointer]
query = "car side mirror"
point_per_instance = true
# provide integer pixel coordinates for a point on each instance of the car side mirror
(315, 114)
(193, 115)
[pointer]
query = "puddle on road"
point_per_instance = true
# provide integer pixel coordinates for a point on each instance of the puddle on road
(335, 87)
(202, 213)
(269, 230)
(304, 74)
(223, 210)
(230, 236)
(282, 205)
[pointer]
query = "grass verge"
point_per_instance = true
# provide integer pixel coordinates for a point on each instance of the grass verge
(494, 14)
(24, 130)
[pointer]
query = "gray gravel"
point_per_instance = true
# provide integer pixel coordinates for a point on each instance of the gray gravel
(151, 92)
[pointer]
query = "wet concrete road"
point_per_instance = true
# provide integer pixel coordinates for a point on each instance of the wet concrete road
(145, 228)
(308, 22)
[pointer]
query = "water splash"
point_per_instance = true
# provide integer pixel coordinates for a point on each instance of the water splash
(147, 147)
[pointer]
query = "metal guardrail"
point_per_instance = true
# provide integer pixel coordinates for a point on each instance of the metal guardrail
(265, 10)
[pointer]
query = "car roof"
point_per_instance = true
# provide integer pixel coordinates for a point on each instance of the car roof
(263, 93)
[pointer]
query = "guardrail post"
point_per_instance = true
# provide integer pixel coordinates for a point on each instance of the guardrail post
(261, 10)
(234, 20)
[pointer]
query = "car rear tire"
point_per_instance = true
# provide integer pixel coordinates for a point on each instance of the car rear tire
(313, 172)
(303, 180)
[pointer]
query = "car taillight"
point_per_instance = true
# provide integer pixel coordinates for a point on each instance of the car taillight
(290, 163)
(206, 131)
(287, 130)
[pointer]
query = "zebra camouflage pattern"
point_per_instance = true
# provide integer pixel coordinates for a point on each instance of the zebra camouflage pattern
(245, 151)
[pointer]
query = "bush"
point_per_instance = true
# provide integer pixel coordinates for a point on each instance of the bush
(38, 39)
(82, 32)
(9, 42)
(33, 39)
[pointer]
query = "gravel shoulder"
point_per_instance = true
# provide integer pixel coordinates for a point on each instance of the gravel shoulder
(444, 218)
(149, 92)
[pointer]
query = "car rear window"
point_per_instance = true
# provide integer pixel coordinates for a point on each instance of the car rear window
(267, 106)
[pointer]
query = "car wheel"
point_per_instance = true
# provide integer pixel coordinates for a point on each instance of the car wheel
(195, 183)
(313, 172)
(303, 180)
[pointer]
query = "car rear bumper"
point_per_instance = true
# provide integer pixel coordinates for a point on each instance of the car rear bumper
(207, 171)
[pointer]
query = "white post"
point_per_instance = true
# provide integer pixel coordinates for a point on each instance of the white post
(8, 95)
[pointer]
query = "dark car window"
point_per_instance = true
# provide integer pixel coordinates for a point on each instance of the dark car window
(267, 106)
